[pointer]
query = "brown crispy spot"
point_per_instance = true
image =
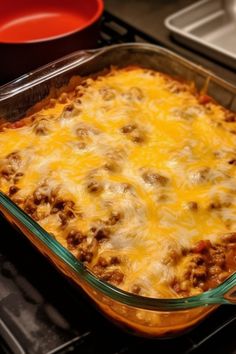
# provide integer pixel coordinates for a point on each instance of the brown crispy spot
(63, 218)
(102, 262)
(94, 187)
(74, 238)
(29, 206)
(137, 136)
(115, 260)
(134, 133)
(155, 178)
(18, 176)
(229, 237)
(41, 195)
(134, 93)
(197, 259)
(126, 187)
(82, 132)
(81, 145)
(136, 289)
(41, 127)
(69, 111)
(114, 276)
(66, 214)
(85, 256)
(217, 205)
(7, 172)
(172, 257)
(230, 117)
(114, 218)
(128, 128)
(61, 204)
(107, 93)
(232, 162)
(192, 206)
(199, 273)
(13, 190)
(14, 157)
(102, 233)
(112, 166)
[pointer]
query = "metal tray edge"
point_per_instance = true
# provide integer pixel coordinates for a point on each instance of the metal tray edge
(226, 57)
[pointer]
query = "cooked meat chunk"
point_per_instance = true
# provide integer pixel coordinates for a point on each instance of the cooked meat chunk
(114, 218)
(134, 133)
(114, 276)
(193, 206)
(69, 111)
(136, 289)
(74, 238)
(41, 127)
(127, 129)
(229, 237)
(107, 93)
(155, 179)
(208, 264)
(200, 176)
(13, 190)
(94, 186)
(134, 94)
(102, 233)
(11, 165)
(85, 255)
(230, 117)
(232, 162)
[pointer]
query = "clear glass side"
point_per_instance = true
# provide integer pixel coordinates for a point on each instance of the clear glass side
(18, 96)
(22, 91)
(138, 315)
(45, 72)
(21, 94)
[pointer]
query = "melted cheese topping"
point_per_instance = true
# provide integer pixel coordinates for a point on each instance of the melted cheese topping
(160, 157)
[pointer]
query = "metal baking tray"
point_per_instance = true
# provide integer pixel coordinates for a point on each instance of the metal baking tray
(208, 26)
(151, 317)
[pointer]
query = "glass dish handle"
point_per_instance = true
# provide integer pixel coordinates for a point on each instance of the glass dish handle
(230, 296)
(45, 72)
(225, 293)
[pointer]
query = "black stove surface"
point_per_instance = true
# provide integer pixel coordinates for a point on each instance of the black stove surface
(41, 313)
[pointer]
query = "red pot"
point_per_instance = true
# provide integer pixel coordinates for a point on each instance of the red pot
(33, 33)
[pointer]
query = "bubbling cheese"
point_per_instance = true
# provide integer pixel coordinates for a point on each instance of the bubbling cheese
(136, 143)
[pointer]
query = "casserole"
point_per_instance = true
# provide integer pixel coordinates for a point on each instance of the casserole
(147, 316)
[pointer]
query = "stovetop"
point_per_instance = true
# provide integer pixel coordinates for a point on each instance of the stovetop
(41, 313)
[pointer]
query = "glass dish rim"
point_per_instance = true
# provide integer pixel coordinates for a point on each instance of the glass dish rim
(214, 296)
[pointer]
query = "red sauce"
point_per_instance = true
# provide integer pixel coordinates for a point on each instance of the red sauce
(209, 265)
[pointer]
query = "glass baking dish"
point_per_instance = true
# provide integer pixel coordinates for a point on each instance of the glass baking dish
(140, 315)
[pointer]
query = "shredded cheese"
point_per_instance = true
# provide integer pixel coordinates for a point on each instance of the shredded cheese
(176, 138)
